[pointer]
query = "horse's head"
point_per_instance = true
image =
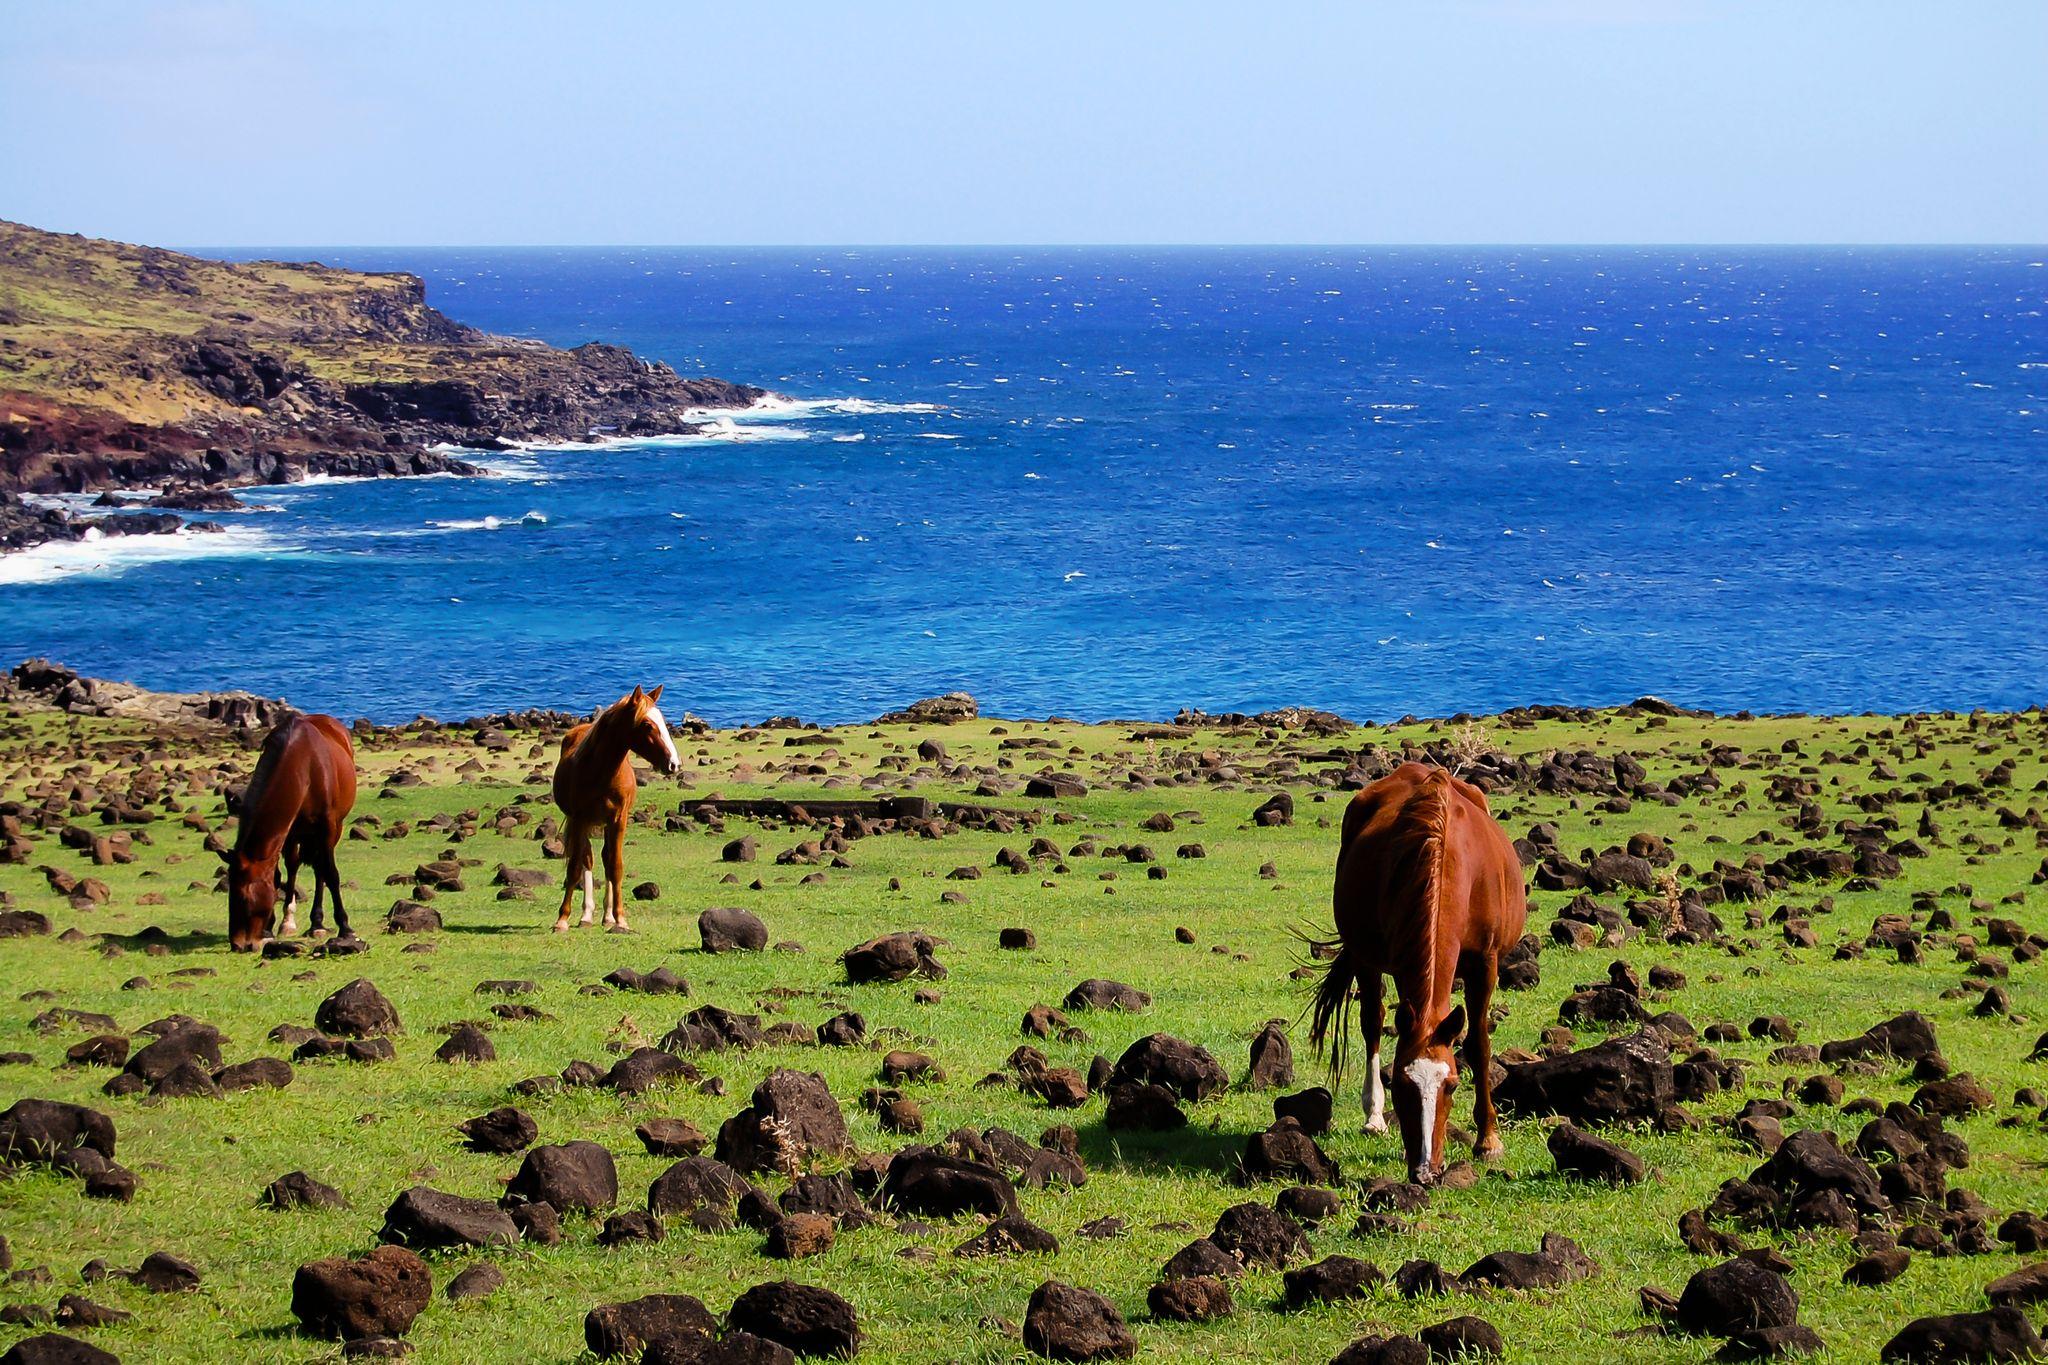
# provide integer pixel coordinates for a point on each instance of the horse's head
(252, 899)
(1425, 1074)
(650, 738)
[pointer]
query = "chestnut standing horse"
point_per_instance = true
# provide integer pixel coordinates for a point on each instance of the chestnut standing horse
(595, 787)
(1428, 889)
(302, 790)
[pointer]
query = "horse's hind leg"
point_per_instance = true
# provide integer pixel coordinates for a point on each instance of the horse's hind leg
(327, 875)
(1480, 975)
(1372, 1021)
(615, 876)
(294, 854)
(576, 856)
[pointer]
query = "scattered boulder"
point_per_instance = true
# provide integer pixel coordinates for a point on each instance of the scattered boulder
(1557, 1260)
(1739, 1295)
(726, 929)
(790, 1120)
(808, 1319)
(1616, 1081)
(1329, 1280)
(1098, 994)
(502, 1130)
(357, 1010)
(892, 957)
(627, 1329)
(574, 1177)
(1581, 1154)
(1063, 1322)
(377, 1295)
(1996, 1334)
(1196, 1298)
(426, 1219)
(930, 1184)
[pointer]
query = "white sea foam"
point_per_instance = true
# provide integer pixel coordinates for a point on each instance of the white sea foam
(97, 554)
(777, 407)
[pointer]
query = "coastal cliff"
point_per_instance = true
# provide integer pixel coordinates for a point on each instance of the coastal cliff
(125, 367)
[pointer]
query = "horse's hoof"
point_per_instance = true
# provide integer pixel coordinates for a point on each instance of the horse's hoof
(1376, 1127)
(561, 926)
(1489, 1151)
(318, 931)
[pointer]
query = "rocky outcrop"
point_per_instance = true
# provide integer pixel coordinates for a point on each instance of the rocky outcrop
(42, 683)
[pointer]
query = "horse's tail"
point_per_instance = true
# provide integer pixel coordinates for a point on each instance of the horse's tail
(1330, 1016)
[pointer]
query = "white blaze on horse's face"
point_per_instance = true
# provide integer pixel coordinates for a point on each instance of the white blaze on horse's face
(1429, 1076)
(668, 744)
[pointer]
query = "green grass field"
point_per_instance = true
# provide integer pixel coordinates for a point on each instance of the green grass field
(374, 1130)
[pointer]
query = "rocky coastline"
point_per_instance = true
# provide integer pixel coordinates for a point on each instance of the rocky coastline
(269, 373)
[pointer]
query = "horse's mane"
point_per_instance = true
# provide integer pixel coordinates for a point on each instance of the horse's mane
(1422, 827)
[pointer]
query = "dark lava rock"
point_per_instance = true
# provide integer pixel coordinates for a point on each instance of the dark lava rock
(1285, 1152)
(1619, 1080)
(1272, 1058)
(196, 1045)
(671, 1137)
(502, 1130)
(1996, 1334)
(1379, 1350)
(357, 1010)
(1311, 1108)
(1198, 1298)
(1579, 1153)
(892, 957)
(1148, 1108)
(1256, 1234)
(377, 1295)
(1162, 1059)
(930, 1184)
(38, 1130)
(2028, 1284)
(1462, 1336)
(297, 1190)
(1098, 994)
(633, 1225)
(474, 1282)
(790, 1119)
(1063, 1322)
(1908, 1037)
(1010, 1235)
(627, 1329)
(467, 1043)
(54, 1348)
(725, 929)
(575, 1177)
(1420, 1279)
(1308, 1205)
(796, 1236)
(644, 1068)
(710, 1028)
(1738, 1295)
(186, 1081)
(1201, 1257)
(426, 1219)
(809, 1320)
(1329, 1280)
(258, 1073)
(695, 1183)
(1879, 1267)
(1771, 1343)
(1557, 1260)
(734, 1348)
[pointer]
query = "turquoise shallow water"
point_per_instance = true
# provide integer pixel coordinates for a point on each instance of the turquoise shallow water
(1102, 483)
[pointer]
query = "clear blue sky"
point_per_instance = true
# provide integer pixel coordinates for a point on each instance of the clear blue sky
(233, 122)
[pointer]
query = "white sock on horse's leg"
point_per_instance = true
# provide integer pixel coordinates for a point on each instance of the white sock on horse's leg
(1375, 1096)
(589, 894)
(291, 922)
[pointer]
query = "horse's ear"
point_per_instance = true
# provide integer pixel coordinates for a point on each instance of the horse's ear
(655, 695)
(1448, 1031)
(637, 694)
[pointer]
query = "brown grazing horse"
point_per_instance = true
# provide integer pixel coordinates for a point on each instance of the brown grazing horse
(302, 790)
(1428, 889)
(595, 787)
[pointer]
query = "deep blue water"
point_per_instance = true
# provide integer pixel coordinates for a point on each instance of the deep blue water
(1113, 482)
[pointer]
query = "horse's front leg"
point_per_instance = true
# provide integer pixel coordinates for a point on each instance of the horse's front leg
(290, 892)
(1479, 981)
(1372, 1021)
(576, 857)
(615, 876)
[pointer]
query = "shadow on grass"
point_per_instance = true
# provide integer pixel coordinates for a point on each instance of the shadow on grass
(1195, 1149)
(155, 940)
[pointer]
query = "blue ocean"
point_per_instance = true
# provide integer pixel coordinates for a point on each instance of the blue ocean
(1115, 482)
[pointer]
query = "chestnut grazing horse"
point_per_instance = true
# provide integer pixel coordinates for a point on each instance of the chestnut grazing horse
(302, 790)
(1428, 889)
(595, 787)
